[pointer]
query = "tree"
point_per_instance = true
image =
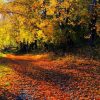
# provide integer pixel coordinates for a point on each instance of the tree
(92, 23)
(47, 20)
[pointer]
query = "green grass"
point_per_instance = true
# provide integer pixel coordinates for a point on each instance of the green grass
(7, 84)
(2, 55)
(4, 70)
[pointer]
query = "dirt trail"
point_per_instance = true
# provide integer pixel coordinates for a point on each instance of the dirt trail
(40, 78)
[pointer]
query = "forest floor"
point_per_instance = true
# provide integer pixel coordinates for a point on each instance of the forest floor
(45, 77)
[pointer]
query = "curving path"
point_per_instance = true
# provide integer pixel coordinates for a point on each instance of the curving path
(40, 78)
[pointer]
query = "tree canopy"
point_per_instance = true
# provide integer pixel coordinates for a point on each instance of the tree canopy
(43, 20)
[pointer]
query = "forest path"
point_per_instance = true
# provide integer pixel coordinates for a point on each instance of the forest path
(41, 78)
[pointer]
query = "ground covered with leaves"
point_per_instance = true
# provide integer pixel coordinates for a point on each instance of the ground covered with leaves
(42, 77)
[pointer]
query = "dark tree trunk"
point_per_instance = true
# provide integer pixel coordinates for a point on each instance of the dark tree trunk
(92, 24)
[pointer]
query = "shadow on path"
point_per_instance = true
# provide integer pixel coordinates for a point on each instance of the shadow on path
(27, 68)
